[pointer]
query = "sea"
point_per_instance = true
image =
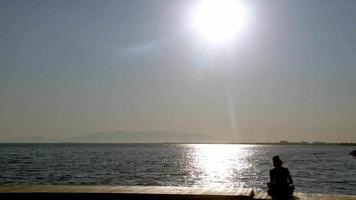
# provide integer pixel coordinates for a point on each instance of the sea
(314, 168)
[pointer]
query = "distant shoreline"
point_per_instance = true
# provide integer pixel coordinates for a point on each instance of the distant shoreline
(242, 143)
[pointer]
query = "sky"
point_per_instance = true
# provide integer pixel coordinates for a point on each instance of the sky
(72, 67)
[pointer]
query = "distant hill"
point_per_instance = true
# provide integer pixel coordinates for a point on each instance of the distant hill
(142, 137)
(34, 139)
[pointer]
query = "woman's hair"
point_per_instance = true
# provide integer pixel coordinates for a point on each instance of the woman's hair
(277, 162)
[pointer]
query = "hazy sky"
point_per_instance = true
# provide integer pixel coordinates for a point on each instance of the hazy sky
(70, 67)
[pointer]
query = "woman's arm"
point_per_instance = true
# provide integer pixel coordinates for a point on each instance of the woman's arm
(289, 177)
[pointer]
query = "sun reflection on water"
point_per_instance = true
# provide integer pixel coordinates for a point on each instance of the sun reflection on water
(220, 165)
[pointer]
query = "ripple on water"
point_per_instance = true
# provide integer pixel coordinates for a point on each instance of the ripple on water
(321, 169)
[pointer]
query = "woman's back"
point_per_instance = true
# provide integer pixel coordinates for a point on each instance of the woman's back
(281, 185)
(280, 177)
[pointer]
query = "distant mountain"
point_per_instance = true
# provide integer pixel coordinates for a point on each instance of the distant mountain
(34, 139)
(142, 137)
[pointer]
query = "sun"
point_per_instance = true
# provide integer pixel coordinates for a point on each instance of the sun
(218, 20)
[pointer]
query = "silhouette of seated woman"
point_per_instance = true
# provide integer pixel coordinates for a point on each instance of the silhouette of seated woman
(281, 185)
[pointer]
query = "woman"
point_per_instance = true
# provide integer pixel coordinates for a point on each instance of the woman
(281, 185)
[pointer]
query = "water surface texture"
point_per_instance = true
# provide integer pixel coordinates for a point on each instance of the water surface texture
(317, 169)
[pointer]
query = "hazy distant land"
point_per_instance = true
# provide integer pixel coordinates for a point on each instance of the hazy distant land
(123, 137)
(152, 137)
(142, 137)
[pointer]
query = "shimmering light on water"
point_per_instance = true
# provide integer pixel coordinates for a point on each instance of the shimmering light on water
(219, 163)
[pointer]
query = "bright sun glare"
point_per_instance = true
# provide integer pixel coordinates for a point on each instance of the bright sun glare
(218, 20)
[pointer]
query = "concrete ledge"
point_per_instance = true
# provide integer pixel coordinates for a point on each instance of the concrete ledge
(123, 192)
(146, 193)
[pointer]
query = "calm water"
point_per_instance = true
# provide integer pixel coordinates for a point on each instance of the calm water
(320, 169)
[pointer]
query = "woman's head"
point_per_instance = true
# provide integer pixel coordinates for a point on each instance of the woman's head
(277, 162)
